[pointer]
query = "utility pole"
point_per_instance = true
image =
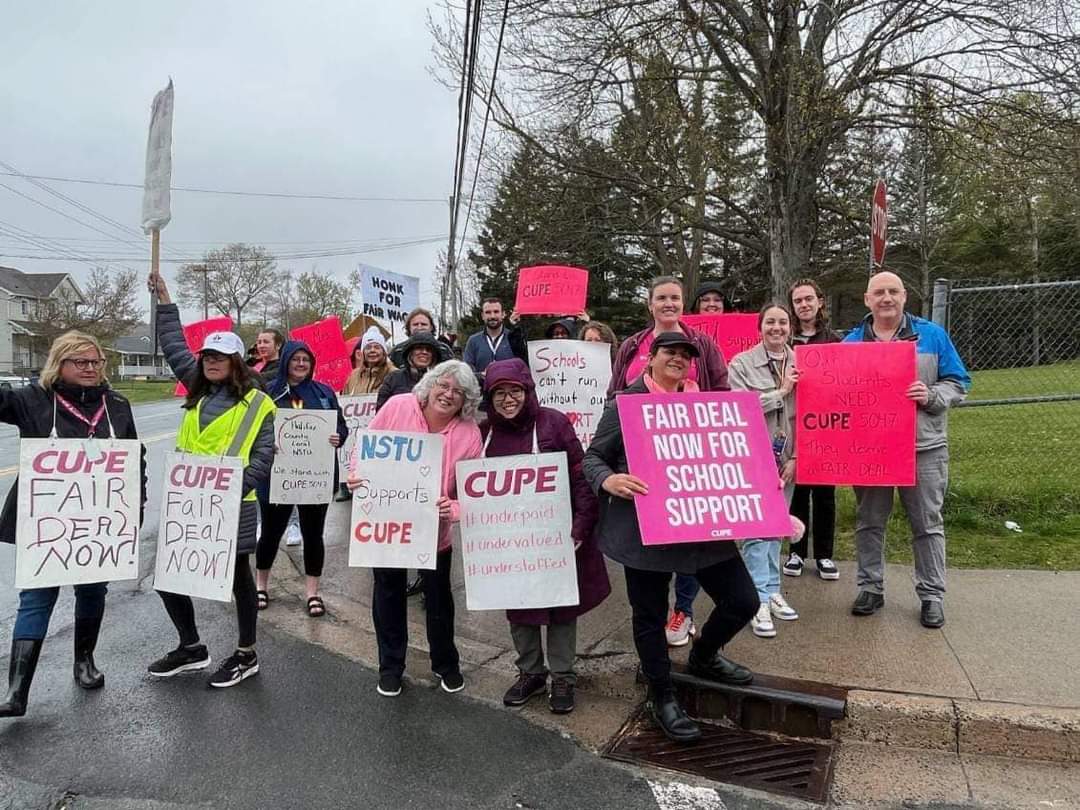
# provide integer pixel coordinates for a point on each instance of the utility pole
(450, 286)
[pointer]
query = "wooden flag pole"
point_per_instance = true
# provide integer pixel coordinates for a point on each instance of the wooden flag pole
(155, 261)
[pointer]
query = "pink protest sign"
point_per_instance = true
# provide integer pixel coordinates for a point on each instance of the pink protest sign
(195, 334)
(733, 332)
(551, 290)
(708, 461)
(331, 352)
(855, 425)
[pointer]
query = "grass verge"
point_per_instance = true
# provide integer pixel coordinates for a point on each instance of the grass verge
(138, 391)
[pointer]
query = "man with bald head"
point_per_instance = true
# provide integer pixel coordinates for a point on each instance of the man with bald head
(943, 382)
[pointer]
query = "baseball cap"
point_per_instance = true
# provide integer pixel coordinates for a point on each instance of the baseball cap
(674, 339)
(223, 343)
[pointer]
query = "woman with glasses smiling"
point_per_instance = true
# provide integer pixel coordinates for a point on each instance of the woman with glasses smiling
(72, 401)
(444, 402)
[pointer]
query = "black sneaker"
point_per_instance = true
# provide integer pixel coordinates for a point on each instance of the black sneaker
(182, 659)
(827, 569)
(389, 684)
(794, 565)
(561, 699)
(454, 682)
(237, 667)
(416, 586)
(524, 688)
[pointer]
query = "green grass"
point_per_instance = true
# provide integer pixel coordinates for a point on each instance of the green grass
(145, 390)
(1058, 378)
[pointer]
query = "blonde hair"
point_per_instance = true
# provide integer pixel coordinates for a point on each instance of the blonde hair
(64, 347)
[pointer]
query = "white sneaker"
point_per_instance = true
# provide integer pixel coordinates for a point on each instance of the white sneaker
(292, 535)
(794, 565)
(827, 569)
(781, 609)
(680, 629)
(762, 624)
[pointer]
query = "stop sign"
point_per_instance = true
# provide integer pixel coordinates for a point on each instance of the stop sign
(879, 218)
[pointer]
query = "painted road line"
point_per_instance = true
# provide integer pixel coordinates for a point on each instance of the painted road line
(159, 437)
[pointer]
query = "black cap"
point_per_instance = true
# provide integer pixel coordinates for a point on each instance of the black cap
(674, 339)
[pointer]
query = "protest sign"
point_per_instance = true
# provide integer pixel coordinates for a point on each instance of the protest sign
(200, 517)
(195, 334)
(304, 459)
(855, 424)
(395, 519)
(733, 332)
(708, 461)
(388, 296)
(551, 290)
(79, 502)
(358, 412)
(326, 342)
(515, 532)
(572, 376)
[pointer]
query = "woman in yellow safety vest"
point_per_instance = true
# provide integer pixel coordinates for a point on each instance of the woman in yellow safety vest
(227, 413)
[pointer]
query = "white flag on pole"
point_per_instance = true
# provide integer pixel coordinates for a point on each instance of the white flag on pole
(157, 203)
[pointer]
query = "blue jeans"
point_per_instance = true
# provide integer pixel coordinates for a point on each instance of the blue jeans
(762, 558)
(686, 590)
(36, 607)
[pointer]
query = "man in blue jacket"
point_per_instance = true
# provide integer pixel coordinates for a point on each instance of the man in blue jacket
(943, 382)
(499, 340)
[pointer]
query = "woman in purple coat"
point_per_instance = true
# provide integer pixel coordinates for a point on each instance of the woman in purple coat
(518, 425)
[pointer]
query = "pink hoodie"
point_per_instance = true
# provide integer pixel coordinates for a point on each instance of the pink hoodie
(461, 440)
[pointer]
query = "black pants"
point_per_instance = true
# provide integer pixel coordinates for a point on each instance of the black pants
(728, 584)
(182, 611)
(822, 522)
(389, 610)
(275, 517)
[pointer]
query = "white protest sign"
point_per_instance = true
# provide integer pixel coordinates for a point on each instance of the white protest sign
(358, 412)
(200, 516)
(78, 508)
(395, 520)
(304, 459)
(388, 296)
(515, 532)
(572, 376)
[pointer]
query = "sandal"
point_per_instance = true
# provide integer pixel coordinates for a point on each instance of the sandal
(262, 600)
(316, 607)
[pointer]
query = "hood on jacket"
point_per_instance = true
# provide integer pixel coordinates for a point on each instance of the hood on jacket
(280, 384)
(707, 287)
(511, 371)
(421, 339)
(569, 324)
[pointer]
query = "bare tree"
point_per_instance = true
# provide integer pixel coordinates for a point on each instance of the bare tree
(232, 278)
(318, 296)
(108, 311)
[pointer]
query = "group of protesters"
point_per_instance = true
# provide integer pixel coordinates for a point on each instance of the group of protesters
(486, 404)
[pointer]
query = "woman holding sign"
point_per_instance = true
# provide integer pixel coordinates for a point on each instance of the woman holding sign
(444, 402)
(518, 425)
(293, 387)
(72, 400)
(717, 565)
(226, 413)
(769, 369)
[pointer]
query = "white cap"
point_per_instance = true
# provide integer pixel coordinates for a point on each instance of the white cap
(223, 343)
(373, 335)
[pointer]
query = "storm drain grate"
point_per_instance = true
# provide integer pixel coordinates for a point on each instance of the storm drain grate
(793, 768)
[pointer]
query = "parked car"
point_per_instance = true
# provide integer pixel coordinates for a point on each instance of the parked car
(9, 381)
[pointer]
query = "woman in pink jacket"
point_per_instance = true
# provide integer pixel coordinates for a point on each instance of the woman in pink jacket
(445, 402)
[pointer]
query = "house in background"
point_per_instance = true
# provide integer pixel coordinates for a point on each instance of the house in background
(130, 357)
(25, 298)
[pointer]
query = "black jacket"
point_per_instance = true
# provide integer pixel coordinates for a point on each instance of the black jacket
(30, 409)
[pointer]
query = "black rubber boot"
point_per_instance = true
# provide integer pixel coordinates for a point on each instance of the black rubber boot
(87, 675)
(24, 658)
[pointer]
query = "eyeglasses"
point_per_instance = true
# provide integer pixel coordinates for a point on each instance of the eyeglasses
(82, 364)
(446, 388)
(214, 357)
(508, 393)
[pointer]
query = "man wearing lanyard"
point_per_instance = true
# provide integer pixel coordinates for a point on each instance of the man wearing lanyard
(497, 341)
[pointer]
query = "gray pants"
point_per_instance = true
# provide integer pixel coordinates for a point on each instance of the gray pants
(561, 652)
(922, 503)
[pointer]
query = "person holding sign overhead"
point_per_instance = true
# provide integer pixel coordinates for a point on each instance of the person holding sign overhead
(72, 400)
(226, 413)
(518, 425)
(716, 565)
(943, 382)
(444, 402)
(769, 370)
(293, 387)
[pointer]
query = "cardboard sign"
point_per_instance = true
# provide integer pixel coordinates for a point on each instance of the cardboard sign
(733, 332)
(324, 337)
(515, 532)
(708, 461)
(304, 459)
(78, 507)
(551, 290)
(195, 334)
(358, 412)
(388, 296)
(855, 424)
(200, 518)
(572, 376)
(395, 520)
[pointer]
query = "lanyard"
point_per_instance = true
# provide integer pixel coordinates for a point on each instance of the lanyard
(494, 344)
(536, 444)
(91, 423)
(778, 371)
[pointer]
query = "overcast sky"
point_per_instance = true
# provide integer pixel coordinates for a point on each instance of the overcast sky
(275, 95)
